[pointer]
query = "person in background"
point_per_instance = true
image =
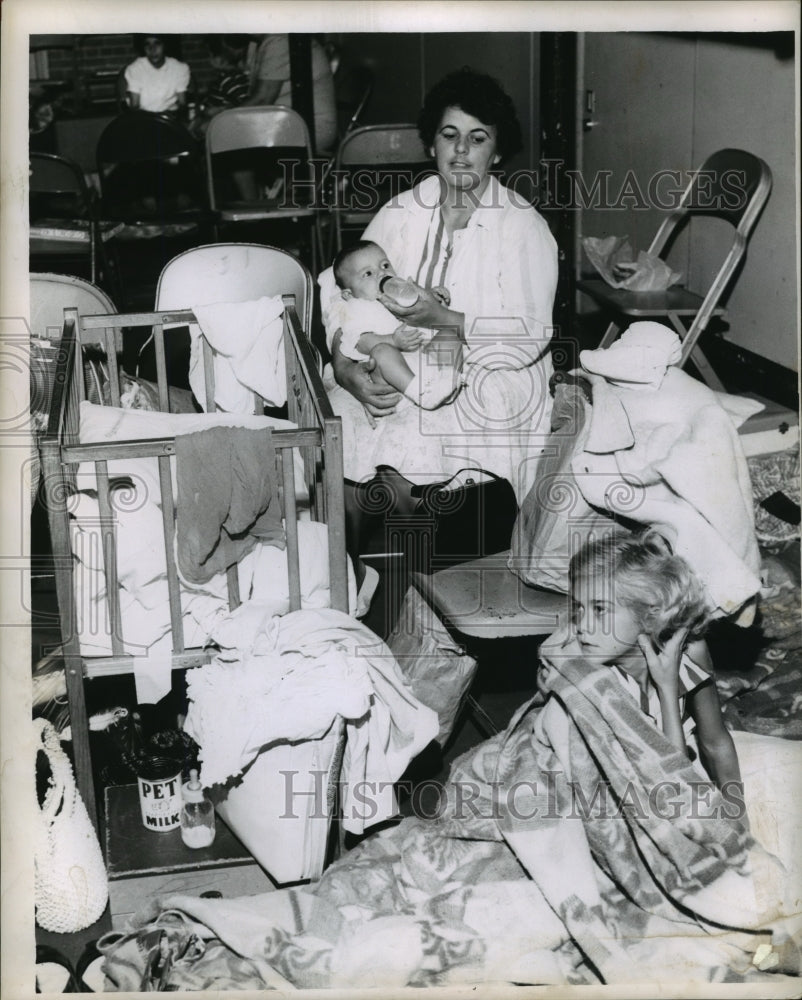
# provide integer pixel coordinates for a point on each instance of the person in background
(270, 84)
(231, 85)
(155, 81)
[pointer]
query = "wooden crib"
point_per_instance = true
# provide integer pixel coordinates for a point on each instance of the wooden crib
(317, 440)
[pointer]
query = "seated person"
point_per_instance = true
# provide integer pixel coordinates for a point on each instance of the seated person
(578, 831)
(230, 86)
(155, 81)
(369, 330)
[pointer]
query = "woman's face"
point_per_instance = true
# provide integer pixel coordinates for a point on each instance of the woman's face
(464, 150)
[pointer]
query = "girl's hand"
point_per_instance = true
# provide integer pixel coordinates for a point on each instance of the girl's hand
(407, 338)
(664, 663)
(428, 311)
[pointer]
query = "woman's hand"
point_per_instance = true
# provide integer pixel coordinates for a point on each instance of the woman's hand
(364, 382)
(428, 311)
(663, 664)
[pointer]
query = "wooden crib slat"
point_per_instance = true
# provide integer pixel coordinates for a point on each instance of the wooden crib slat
(110, 342)
(109, 541)
(168, 529)
(208, 375)
(100, 321)
(291, 528)
(335, 512)
(161, 368)
(232, 581)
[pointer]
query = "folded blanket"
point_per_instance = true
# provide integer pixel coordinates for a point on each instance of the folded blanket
(226, 498)
(671, 457)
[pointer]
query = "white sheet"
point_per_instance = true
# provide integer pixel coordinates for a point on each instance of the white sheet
(308, 667)
(248, 343)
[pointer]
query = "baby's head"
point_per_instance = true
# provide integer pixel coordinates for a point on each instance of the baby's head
(358, 269)
(623, 586)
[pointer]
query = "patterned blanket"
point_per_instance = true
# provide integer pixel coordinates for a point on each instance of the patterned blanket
(765, 694)
(575, 847)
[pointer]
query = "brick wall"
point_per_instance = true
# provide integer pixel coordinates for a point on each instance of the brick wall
(89, 54)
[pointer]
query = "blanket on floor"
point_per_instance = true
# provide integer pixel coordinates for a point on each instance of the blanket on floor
(575, 847)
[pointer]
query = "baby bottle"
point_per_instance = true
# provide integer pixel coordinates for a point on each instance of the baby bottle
(401, 290)
(197, 814)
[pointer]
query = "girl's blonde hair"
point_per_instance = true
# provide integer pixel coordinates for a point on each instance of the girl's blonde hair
(643, 573)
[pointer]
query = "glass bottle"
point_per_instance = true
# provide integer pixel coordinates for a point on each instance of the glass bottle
(197, 814)
(401, 290)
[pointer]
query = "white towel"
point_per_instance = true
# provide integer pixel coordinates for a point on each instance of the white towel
(672, 457)
(248, 341)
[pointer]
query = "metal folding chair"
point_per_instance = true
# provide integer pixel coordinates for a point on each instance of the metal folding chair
(267, 127)
(732, 185)
(234, 272)
(60, 197)
(396, 159)
(143, 156)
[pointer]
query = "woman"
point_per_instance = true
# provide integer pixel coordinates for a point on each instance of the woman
(494, 254)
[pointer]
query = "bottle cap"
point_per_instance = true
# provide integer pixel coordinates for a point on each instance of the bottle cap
(193, 789)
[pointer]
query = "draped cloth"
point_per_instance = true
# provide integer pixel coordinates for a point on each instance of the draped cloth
(578, 846)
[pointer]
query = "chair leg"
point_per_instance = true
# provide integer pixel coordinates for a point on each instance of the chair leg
(610, 334)
(690, 348)
(480, 718)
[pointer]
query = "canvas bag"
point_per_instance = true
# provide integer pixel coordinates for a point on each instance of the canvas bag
(70, 883)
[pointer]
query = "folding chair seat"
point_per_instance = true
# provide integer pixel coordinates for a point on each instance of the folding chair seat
(391, 159)
(484, 599)
(732, 185)
(282, 135)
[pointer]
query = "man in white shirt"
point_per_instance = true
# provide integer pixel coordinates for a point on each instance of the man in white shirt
(155, 81)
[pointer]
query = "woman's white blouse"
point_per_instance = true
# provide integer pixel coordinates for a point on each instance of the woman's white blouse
(501, 272)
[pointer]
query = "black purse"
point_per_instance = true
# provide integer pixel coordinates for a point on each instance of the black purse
(435, 525)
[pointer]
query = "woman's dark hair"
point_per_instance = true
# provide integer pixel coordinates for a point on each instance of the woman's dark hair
(476, 94)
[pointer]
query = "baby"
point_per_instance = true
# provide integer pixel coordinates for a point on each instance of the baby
(371, 330)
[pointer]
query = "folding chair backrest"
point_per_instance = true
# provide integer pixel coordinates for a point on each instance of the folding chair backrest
(51, 174)
(234, 272)
(51, 294)
(731, 184)
(137, 136)
(263, 127)
(382, 145)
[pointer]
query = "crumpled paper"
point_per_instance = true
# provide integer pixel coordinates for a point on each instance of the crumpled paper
(612, 258)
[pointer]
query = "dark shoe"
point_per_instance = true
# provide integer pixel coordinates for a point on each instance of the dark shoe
(54, 974)
(89, 970)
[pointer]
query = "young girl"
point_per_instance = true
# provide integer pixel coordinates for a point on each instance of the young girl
(640, 610)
